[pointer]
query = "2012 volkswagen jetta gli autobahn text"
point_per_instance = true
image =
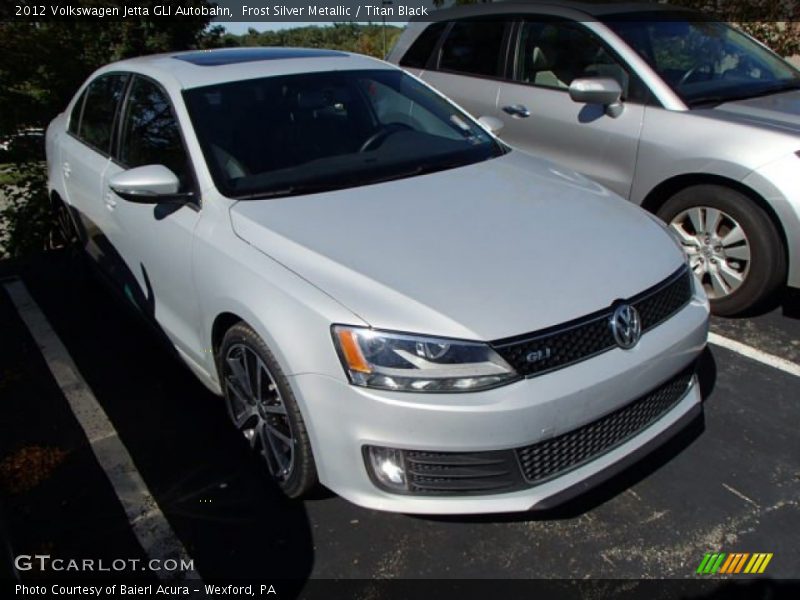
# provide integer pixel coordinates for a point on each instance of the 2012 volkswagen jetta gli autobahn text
(391, 301)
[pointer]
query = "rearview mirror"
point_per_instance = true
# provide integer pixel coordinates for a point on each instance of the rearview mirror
(598, 90)
(492, 124)
(150, 184)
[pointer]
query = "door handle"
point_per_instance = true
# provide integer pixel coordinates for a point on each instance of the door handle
(517, 110)
(67, 169)
(109, 200)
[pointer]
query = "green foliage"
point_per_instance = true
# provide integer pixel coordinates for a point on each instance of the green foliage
(42, 64)
(26, 218)
(772, 22)
(351, 37)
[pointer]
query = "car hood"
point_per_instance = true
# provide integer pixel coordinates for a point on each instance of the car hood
(498, 248)
(780, 111)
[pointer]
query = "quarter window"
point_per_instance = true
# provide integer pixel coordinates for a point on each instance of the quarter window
(75, 115)
(150, 132)
(474, 47)
(100, 108)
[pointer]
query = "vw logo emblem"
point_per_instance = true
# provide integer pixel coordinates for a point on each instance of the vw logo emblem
(626, 326)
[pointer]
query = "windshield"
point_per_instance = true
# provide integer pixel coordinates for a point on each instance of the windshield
(296, 134)
(704, 61)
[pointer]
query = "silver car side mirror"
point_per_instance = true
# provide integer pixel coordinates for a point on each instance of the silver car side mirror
(493, 124)
(150, 184)
(598, 90)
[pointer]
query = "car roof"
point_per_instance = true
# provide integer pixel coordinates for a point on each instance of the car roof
(590, 10)
(197, 68)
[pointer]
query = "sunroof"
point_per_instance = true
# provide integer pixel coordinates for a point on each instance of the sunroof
(231, 56)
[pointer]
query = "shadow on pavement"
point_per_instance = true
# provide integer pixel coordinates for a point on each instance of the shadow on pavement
(619, 483)
(216, 495)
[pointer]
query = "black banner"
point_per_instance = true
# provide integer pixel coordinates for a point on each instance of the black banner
(329, 11)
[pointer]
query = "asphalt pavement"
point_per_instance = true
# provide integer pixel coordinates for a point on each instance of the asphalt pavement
(728, 484)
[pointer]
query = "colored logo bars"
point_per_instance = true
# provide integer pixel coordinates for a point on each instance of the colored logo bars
(729, 564)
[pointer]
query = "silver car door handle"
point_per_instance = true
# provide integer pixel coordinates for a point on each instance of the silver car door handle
(67, 169)
(110, 202)
(517, 110)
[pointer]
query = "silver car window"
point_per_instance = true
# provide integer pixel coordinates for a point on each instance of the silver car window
(553, 54)
(706, 61)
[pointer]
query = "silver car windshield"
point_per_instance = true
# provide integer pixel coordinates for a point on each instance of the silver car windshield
(704, 62)
(311, 132)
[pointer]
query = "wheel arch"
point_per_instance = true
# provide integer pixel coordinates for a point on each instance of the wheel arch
(222, 323)
(656, 198)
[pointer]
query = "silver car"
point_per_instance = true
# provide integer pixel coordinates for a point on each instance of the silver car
(380, 289)
(687, 117)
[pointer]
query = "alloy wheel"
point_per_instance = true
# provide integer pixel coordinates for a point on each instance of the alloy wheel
(257, 409)
(717, 246)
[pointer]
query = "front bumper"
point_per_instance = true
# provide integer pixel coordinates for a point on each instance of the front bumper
(342, 419)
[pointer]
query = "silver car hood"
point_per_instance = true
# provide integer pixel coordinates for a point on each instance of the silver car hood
(502, 247)
(781, 111)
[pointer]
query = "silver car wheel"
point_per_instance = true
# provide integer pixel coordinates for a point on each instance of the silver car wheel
(717, 246)
(257, 409)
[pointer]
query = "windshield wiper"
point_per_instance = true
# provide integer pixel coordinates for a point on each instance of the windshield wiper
(720, 99)
(291, 190)
(420, 170)
(786, 86)
(356, 180)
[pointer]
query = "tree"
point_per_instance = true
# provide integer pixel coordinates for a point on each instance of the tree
(350, 37)
(773, 22)
(43, 63)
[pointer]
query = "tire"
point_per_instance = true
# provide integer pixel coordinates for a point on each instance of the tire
(741, 261)
(269, 417)
(65, 235)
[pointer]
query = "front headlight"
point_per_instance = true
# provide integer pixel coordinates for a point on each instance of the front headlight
(412, 363)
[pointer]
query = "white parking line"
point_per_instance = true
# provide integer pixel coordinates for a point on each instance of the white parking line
(148, 523)
(776, 362)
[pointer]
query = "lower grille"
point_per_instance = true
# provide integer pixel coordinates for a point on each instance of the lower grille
(554, 457)
(461, 472)
(501, 471)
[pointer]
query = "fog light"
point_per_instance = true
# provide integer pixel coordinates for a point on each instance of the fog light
(388, 467)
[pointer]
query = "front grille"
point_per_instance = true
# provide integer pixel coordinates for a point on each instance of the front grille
(462, 472)
(556, 347)
(554, 457)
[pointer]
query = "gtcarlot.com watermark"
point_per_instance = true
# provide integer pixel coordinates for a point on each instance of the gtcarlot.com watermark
(44, 562)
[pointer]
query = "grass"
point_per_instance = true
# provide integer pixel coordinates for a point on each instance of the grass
(7, 176)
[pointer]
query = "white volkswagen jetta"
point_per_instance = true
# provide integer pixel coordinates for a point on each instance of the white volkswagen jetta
(391, 301)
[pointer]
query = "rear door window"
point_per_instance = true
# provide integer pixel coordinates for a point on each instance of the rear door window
(474, 48)
(419, 53)
(100, 109)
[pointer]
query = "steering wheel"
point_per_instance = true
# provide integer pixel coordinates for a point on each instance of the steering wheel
(692, 70)
(379, 136)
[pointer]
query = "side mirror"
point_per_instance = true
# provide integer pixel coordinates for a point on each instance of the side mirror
(492, 124)
(150, 184)
(598, 90)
